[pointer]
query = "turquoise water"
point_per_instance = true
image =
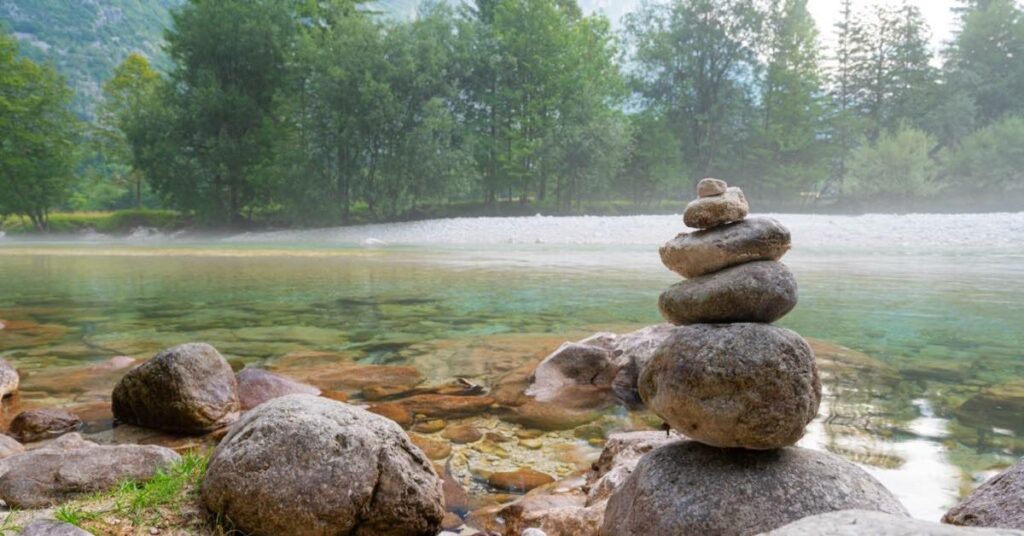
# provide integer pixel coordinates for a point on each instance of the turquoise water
(935, 303)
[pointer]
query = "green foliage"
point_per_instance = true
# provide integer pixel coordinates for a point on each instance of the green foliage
(895, 170)
(119, 222)
(37, 136)
(989, 165)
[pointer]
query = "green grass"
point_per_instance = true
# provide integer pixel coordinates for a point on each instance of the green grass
(8, 524)
(147, 502)
(119, 222)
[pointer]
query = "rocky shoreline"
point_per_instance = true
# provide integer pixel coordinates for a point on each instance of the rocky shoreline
(320, 445)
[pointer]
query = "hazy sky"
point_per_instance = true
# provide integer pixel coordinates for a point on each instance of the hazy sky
(937, 12)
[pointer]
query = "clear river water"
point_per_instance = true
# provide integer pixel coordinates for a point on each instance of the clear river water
(928, 310)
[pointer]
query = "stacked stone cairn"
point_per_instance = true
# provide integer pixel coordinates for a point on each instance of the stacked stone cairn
(730, 378)
(741, 390)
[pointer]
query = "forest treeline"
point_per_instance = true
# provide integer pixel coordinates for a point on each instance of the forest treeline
(320, 112)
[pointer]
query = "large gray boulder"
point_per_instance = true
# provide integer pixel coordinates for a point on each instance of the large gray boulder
(39, 424)
(704, 252)
(60, 472)
(256, 386)
(9, 378)
(999, 502)
(762, 291)
(50, 527)
(309, 466)
(708, 212)
(753, 386)
(686, 488)
(866, 522)
(188, 389)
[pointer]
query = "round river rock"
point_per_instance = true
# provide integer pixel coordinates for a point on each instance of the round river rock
(703, 252)
(309, 466)
(762, 291)
(686, 488)
(708, 212)
(188, 389)
(753, 386)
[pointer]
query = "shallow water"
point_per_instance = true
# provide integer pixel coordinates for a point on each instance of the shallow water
(936, 302)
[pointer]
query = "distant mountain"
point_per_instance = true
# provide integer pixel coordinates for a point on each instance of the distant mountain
(86, 39)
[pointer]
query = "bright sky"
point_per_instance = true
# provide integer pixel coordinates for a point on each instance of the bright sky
(938, 13)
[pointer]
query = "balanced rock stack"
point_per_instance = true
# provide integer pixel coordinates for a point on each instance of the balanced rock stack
(740, 389)
(729, 378)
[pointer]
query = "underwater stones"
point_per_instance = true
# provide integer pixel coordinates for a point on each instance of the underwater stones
(188, 389)
(435, 449)
(9, 378)
(762, 291)
(65, 470)
(461, 434)
(687, 488)
(518, 481)
(711, 187)
(304, 465)
(703, 252)
(395, 412)
(999, 502)
(863, 522)
(39, 424)
(734, 385)
(708, 212)
(446, 405)
(256, 386)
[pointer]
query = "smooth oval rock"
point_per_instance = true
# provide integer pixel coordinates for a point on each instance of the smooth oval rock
(309, 466)
(711, 187)
(753, 386)
(56, 474)
(571, 365)
(519, 481)
(864, 522)
(708, 212)
(762, 291)
(703, 252)
(999, 502)
(686, 488)
(39, 424)
(256, 386)
(189, 389)
(50, 527)
(9, 378)
(9, 446)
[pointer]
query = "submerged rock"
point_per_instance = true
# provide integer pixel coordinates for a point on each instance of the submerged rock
(8, 378)
(708, 212)
(446, 405)
(39, 424)
(50, 527)
(62, 471)
(188, 389)
(864, 522)
(999, 502)
(398, 413)
(518, 481)
(303, 465)
(734, 385)
(998, 406)
(762, 291)
(256, 386)
(704, 252)
(686, 488)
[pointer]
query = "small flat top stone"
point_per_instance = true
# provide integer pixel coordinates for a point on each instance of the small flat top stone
(711, 187)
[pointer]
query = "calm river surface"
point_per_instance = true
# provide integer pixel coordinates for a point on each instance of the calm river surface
(932, 305)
